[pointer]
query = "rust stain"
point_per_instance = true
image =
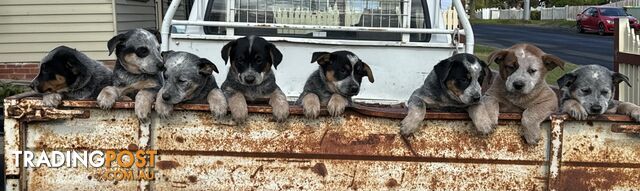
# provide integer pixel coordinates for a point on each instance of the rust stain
(165, 165)
(180, 139)
(259, 169)
(132, 147)
(392, 183)
(338, 143)
(320, 169)
(589, 179)
(192, 179)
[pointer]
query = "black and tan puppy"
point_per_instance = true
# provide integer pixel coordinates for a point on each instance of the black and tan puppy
(588, 90)
(334, 83)
(137, 71)
(454, 83)
(250, 77)
(189, 79)
(66, 73)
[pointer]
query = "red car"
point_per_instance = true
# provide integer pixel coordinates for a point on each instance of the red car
(601, 19)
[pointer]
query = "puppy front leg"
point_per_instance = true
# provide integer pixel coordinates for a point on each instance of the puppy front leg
(162, 108)
(217, 103)
(52, 99)
(485, 114)
(532, 118)
(629, 109)
(108, 97)
(311, 105)
(337, 104)
(143, 102)
(574, 109)
(278, 102)
(238, 107)
(417, 110)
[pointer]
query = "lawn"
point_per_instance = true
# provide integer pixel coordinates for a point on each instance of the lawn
(483, 53)
(540, 23)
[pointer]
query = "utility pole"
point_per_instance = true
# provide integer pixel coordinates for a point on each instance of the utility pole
(527, 9)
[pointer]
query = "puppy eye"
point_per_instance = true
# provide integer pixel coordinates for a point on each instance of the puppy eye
(531, 70)
(142, 52)
(604, 92)
(586, 91)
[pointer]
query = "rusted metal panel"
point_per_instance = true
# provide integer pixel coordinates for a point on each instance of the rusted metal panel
(56, 179)
(599, 178)
(594, 142)
(241, 173)
(11, 143)
(115, 129)
(355, 134)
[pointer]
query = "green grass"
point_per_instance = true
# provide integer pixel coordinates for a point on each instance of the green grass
(483, 53)
(540, 23)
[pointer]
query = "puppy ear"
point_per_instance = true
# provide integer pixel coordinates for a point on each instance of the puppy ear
(115, 41)
(155, 33)
(551, 62)
(320, 57)
(497, 56)
(618, 77)
(206, 67)
(70, 59)
(367, 69)
(166, 53)
(442, 70)
(226, 50)
(276, 56)
(566, 80)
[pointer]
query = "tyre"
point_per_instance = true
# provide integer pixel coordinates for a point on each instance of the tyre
(601, 30)
(579, 28)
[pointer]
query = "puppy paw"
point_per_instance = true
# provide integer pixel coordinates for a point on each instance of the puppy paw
(238, 107)
(532, 137)
(281, 111)
(408, 127)
(278, 102)
(485, 126)
(635, 115)
(163, 109)
(578, 113)
(143, 102)
(311, 105)
(217, 103)
(336, 105)
(52, 100)
(107, 97)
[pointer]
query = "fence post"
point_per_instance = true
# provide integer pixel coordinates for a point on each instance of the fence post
(566, 12)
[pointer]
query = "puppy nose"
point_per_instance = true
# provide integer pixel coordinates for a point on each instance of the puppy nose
(250, 79)
(354, 88)
(596, 109)
(166, 97)
(518, 85)
(476, 98)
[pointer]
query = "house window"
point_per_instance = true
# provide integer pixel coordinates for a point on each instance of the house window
(351, 13)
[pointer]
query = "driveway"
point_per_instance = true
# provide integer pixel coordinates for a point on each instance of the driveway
(581, 49)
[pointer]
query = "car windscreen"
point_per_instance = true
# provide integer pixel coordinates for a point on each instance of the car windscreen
(613, 12)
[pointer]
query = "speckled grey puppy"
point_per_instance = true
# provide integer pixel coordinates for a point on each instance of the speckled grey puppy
(137, 71)
(588, 90)
(189, 79)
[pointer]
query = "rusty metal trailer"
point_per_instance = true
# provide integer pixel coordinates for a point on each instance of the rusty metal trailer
(360, 151)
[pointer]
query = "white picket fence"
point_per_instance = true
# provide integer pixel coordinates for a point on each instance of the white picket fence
(628, 44)
(549, 13)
